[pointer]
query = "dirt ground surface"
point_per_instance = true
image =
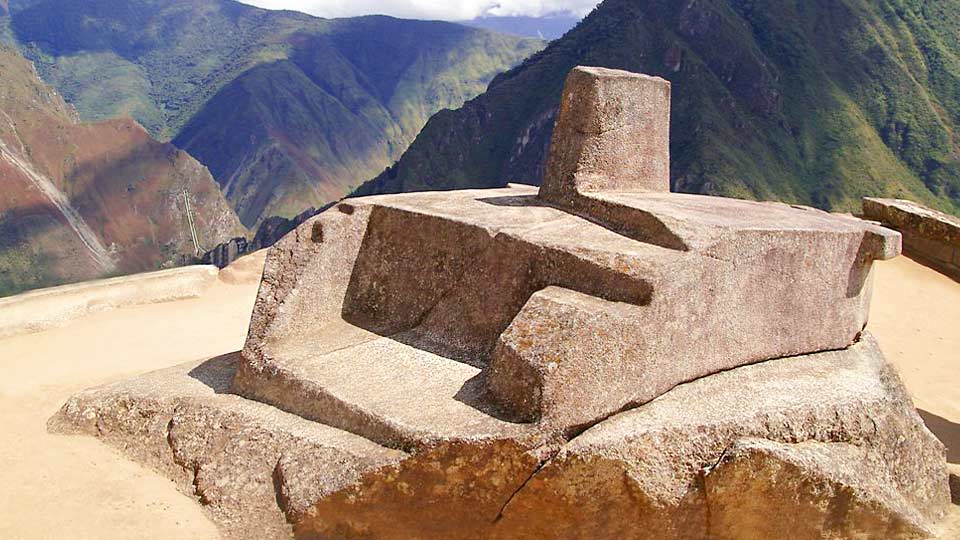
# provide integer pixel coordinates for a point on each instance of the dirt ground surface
(916, 318)
(56, 487)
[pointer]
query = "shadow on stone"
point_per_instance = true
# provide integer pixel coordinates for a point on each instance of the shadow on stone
(929, 263)
(948, 432)
(519, 201)
(475, 393)
(418, 341)
(955, 489)
(218, 372)
(860, 269)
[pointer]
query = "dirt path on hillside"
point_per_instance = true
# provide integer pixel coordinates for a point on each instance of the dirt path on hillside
(55, 487)
(99, 253)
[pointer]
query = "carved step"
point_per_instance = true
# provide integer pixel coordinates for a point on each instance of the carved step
(392, 390)
(229, 451)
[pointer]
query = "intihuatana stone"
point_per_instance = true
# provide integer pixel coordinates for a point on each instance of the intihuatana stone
(612, 134)
(599, 359)
(568, 321)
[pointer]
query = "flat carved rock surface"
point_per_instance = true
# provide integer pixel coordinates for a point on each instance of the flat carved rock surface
(419, 288)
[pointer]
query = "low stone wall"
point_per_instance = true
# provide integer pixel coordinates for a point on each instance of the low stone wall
(41, 310)
(930, 236)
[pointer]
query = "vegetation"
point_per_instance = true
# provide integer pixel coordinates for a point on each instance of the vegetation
(815, 102)
(287, 110)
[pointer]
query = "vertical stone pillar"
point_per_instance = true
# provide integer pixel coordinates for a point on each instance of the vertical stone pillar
(612, 134)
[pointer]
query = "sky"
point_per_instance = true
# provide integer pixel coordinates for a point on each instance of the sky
(451, 10)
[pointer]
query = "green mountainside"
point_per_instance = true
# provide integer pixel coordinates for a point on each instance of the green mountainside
(287, 110)
(808, 101)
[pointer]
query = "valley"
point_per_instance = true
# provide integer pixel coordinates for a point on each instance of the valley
(83, 201)
(286, 110)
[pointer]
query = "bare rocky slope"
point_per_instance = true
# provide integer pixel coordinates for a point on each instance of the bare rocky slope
(82, 201)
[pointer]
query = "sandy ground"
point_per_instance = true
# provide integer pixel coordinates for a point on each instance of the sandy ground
(55, 487)
(916, 318)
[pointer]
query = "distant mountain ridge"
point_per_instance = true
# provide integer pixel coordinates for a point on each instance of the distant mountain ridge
(287, 110)
(83, 201)
(819, 102)
(551, 26)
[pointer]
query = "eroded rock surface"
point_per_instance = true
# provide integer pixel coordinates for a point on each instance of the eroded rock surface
(601, 359)
(677, 465)
(228, 451)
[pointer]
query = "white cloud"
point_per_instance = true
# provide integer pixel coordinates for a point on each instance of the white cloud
(451, 10)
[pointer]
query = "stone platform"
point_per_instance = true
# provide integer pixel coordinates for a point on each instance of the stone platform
(863, 464)
(596, 359)
(500, 281)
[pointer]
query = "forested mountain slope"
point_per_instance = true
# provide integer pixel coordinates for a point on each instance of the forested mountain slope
(815, 101)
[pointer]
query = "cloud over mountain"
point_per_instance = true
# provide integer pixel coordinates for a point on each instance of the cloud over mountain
(430, 9)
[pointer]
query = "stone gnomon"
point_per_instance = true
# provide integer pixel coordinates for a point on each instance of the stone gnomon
(599, 359)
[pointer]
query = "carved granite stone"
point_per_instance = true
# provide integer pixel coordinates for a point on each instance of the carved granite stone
(596, 359)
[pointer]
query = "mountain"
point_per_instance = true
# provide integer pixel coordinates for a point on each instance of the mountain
(816, 102)
(82, 201)
(287, 110)
(550, 26)
(6, 35)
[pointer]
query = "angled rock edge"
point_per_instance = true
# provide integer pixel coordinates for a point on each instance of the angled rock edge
(603, 359)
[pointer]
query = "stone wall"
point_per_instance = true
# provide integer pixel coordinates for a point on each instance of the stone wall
(928, 235)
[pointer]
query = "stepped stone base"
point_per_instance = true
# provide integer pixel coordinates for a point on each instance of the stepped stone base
(228, 451)
(842, 454)
(431, 284)
(840, 440)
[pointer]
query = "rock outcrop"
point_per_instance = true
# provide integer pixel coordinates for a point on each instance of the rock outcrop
(928, 235)
(597, 360)
(270, 231)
